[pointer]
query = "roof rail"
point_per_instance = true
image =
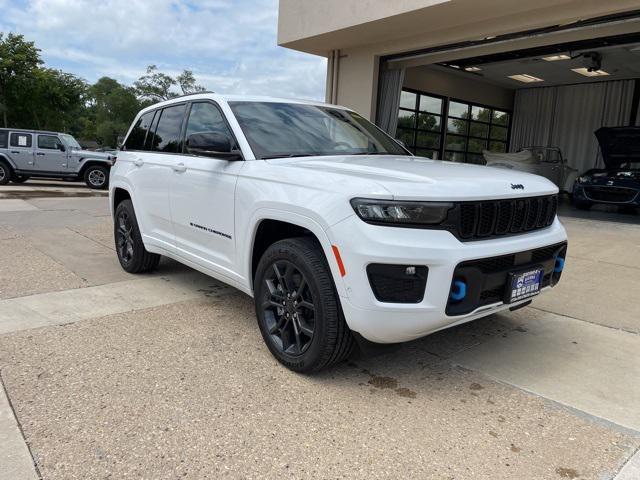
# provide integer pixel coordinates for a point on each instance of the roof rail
(189, 94)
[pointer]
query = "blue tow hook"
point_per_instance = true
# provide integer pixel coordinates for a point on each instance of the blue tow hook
(458, 291)
(559, 265)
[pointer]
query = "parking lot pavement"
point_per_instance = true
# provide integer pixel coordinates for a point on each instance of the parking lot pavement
(166, 375)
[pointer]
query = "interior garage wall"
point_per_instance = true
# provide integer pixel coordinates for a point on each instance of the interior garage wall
(566, 117)
(461, 87)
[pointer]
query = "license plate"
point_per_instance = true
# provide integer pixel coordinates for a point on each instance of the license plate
(522, 285)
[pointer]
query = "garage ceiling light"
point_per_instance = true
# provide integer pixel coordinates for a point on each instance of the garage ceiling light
(587, 73)
(525, 78)
(555, 58)
(472, 69)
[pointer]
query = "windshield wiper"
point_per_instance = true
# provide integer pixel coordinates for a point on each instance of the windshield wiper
(290, 155)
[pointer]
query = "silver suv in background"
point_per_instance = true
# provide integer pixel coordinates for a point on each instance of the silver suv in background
(32, 153)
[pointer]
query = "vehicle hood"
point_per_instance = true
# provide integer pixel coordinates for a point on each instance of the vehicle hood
(619, 145)
(618, 177)
(408, 178)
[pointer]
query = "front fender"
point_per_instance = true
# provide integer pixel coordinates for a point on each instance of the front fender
(297, 219)
(8, 160)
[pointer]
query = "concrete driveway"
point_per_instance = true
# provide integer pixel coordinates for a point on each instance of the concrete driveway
(109, 375)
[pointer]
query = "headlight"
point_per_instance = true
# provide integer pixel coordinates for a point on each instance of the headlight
(401, 213)
(582, 179)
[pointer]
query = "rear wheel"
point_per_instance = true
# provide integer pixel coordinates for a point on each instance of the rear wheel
(20, 179)
(96, 177)
(5, 173)
(297, 306)
(133, 257)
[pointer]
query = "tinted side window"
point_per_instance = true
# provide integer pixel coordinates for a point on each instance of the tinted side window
(135, 140)
(206, 117)
(23, 140)
(151, 136)
(49, 142)
(168, 133)
(4, 136)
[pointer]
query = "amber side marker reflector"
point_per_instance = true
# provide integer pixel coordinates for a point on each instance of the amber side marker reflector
(336, 253)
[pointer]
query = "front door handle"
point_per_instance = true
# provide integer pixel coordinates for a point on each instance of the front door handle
(138, 162)
(40, 154)
(179, 168)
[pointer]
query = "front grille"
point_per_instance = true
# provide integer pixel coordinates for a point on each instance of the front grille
(611, 194)
(486, 278)
(487, 219)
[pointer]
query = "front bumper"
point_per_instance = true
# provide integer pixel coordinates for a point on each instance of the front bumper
(362, 244)
(607, 194)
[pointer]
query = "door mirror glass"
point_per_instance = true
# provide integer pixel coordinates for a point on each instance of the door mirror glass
(212, 144)
(61, 147)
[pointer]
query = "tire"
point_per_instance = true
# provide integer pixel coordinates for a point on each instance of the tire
(5, 173)
(96, 177)
(308, 333)
(20, 179)
(581, 205)
(133, 257)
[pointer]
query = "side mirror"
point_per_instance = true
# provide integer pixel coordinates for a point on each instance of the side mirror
(212, 144)
(61, 147)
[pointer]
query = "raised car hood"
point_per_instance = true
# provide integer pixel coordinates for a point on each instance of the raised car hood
(414, 177)
(619, 145)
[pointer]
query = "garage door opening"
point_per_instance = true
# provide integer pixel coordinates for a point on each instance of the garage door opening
(536, 109)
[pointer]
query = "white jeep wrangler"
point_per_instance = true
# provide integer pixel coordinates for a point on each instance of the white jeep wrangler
(338, 232)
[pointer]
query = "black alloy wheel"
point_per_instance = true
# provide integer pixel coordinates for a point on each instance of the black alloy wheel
(288, 308)
(124, 237)
(298, 308)
(132, 254)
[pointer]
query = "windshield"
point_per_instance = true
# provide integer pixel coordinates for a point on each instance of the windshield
(69, 141)
(294, 130)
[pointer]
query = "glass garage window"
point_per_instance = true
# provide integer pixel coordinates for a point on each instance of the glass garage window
(420, 123)
(439, 127)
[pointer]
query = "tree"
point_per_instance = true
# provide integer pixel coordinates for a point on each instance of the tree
(18, 60)
(48, 100)
(156, 86)
(113, 107)
(188, 84)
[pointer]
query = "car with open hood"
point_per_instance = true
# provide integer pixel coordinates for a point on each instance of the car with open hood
(618, 183)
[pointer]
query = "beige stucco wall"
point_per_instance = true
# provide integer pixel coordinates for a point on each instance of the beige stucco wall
(451, 84)
(365, 30)
(306, 18)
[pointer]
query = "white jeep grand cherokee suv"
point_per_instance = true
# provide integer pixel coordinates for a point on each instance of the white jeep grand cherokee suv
(338, 232)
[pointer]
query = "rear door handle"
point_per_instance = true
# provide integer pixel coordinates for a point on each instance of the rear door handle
(179, 168)
(14, 151)
(138, 162)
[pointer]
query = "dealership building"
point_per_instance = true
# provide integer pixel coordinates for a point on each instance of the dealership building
(455, 78)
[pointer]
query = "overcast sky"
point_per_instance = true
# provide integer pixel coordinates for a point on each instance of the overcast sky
(229, 44)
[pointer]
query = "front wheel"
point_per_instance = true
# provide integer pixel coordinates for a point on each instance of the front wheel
(96, 177)
(133, 257)
(297, 306)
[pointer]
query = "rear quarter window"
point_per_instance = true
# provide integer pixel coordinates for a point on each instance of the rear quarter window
(168, 135)
(23, 140)
(4, 136)
(135, 140)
